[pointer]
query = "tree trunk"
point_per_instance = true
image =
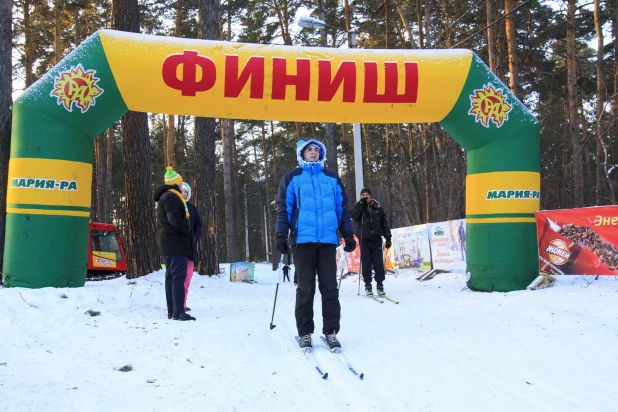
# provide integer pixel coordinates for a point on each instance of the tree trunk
(228, 141)
(406, 23)
(268, 191)
(348, 24)
(205, 160)
(239, 211)
(57, 51)
(331, 147)
(419, 21)
(576, 133)
(204, 193)
(387, 19)
(511, 38)
(389, 168)
(29, 45)
(601, 93)
(6, 9)
(349, 162)
(76, 18)
(491, 35)
(101, 178)
(142, 254)
(108, 175)
(169, 142)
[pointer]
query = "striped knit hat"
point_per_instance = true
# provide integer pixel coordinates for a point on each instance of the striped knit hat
(172, 177)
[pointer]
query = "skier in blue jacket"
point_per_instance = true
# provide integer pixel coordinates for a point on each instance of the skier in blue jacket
(312, 206)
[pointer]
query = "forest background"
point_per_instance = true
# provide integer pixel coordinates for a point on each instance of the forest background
(558, 57)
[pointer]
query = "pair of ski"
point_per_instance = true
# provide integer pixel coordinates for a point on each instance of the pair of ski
(337, 352)
(373, 297)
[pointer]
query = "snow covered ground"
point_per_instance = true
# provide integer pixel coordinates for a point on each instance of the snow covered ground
(443, 348)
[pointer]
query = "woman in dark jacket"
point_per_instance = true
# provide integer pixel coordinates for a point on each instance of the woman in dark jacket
(195, 227)
(174, 241)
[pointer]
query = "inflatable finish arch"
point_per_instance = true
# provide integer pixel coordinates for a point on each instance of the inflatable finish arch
(57, 118)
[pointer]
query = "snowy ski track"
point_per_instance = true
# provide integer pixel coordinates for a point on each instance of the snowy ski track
(442, 348)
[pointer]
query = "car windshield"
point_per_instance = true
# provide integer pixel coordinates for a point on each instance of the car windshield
(105, 241)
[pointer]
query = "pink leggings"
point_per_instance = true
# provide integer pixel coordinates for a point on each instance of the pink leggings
(190, 266)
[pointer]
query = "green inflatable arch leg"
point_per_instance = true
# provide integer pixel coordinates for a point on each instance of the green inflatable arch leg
(503, 183)
(50, 170)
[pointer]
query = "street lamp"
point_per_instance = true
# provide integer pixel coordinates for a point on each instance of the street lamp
(313, 23)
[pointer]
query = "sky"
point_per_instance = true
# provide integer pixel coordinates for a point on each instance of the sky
(442, 348)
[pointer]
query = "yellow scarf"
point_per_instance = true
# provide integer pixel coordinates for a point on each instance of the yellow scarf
(184, 202)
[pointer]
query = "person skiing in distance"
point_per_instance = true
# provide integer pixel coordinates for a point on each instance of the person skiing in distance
(286, 268)
(195, 226)
(371, 225)
(312, 206)
(174, 242)
(462, 240)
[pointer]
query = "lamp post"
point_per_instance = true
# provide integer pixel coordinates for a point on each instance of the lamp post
(313, 23)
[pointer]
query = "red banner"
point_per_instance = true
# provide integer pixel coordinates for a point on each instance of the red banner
(578, 241)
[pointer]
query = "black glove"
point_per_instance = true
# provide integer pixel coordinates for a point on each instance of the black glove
(363, 201)
(282, 245)
(388, 243)
(350, 244)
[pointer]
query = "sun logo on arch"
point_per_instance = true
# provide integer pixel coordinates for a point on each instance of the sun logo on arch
(488, 104)
(77, 86)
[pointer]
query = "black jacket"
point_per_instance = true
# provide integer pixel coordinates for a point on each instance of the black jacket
(195, 224)
(172, 223)
(371, 221)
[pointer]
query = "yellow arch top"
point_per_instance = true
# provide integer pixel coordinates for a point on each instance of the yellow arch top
(249, 81)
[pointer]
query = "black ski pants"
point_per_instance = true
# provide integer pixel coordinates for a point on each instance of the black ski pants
(371, 254)
(175, 274)
(309, 259)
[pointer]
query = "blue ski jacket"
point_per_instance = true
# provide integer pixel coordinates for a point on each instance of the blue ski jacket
(312, 204)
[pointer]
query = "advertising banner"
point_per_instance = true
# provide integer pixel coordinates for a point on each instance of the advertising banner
(448, 245)
(578, 241)
(242, 271)
(410, 249)
(348, 262)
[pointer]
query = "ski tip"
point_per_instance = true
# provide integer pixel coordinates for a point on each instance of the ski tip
(325, 376)
(362, 375)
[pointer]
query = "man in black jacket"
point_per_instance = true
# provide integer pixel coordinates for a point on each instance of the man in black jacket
(174, 242)
(371, 226)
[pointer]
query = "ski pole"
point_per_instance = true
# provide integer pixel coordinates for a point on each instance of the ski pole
(276, 292)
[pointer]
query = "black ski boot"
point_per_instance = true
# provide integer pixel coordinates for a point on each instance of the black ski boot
(381, 290)
(368, 290)
(182, 316)
(333, 343)
(305, 342)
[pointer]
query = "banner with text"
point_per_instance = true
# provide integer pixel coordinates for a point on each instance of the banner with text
(448, 245)
(578, 241)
